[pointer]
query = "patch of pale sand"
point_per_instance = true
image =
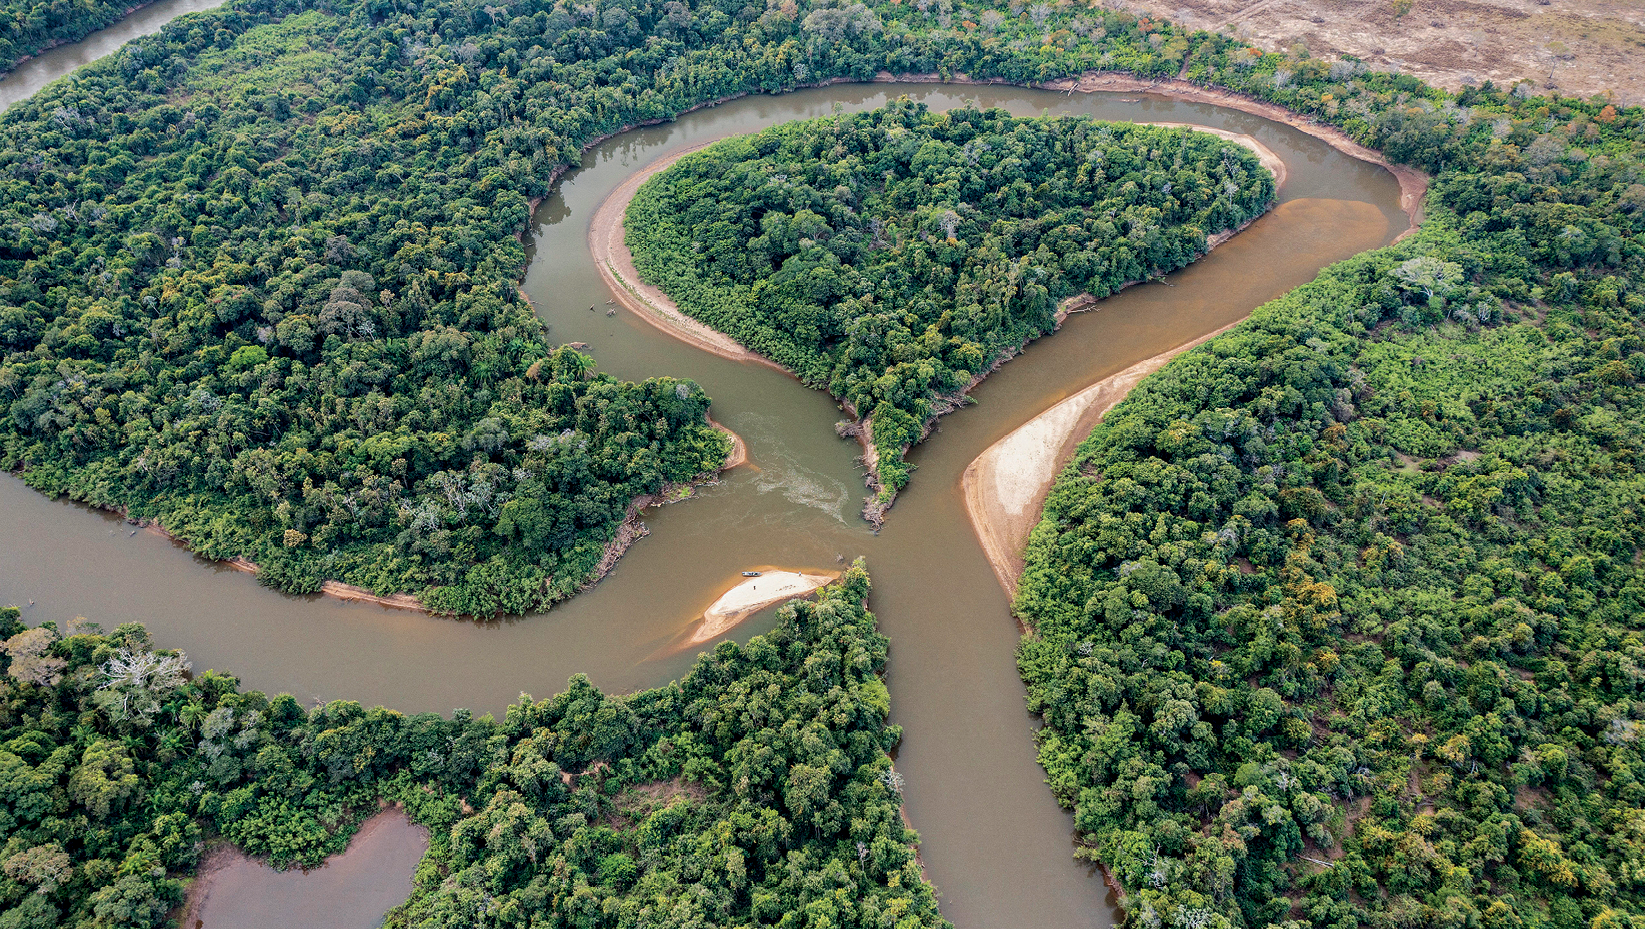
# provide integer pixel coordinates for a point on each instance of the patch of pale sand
(1005, 487)
(616, 264)
(751, 596)
(1265, 155)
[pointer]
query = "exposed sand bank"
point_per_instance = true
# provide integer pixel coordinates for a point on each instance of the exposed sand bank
(1005, 486)
(751, 596)
(616, 264)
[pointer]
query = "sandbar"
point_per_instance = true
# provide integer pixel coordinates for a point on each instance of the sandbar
(1005, 486)
(616, 264)
(751, 596)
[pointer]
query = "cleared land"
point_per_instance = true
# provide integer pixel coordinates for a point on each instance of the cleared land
(1580, 47)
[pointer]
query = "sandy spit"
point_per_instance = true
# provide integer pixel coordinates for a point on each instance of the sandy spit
(1005, 487)
(751, 596)
(616, 264)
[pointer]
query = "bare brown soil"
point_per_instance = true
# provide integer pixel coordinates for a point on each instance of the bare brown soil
(1578, 47)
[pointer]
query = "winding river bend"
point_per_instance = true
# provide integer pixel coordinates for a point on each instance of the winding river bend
(993, 840)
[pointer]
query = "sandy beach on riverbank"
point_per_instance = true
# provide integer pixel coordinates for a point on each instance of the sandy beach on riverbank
(751, 596)
(1005, 486)
(616, 264)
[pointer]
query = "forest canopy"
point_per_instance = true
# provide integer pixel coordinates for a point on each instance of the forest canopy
(897, 256)
(258, 272)
(756, 789)
(1336, 620)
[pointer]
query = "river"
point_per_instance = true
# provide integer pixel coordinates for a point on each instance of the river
(994, 842)
(49, 65)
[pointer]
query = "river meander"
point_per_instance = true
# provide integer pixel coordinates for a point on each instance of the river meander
(993, 840)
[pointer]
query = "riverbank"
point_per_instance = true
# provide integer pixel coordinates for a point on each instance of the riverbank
(631, 530)
(616, 265)
(608, 245)
(752, 595)
(1005, 487)
(1413, 184)
(1265, 155)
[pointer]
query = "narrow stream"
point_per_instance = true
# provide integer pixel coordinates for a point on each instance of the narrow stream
(994, 842)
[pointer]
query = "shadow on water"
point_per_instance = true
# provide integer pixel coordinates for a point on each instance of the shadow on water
(994, 841)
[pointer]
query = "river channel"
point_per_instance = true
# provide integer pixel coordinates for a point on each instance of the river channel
(994, 842)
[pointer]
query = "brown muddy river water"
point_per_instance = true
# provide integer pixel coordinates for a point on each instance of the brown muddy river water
(994, 841)
(353, 889)
(54, 63)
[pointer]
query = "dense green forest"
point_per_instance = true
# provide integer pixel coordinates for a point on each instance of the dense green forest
(895, 257)
(28, 27)
(1336, 621)
(258, 271)
(756, 789)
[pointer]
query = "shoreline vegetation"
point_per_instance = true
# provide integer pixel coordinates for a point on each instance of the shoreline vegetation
(629, 531)
(221, 855)
(1004, 487)
(615, 261)
(70, 36)
(713, 798)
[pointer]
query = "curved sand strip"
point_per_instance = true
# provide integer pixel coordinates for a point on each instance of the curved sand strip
(751, 596)
(616, 264)
(1005, 486)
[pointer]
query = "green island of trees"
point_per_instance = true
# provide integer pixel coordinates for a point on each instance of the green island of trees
(755, 790)
(32, 26)
(896, 257)
(1336, 620)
